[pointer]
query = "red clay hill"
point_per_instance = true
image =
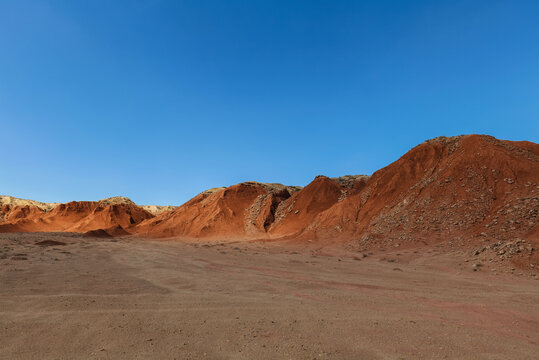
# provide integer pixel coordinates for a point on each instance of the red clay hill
(444, 189)
(455, 189)
(244, 210)
(458, 189)
(75, 216)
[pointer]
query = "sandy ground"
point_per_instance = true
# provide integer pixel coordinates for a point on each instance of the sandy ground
(140, 299)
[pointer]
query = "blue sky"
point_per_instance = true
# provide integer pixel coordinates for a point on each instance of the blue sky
(159, 100)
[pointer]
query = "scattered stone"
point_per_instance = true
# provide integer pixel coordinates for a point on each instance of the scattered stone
(476, 266)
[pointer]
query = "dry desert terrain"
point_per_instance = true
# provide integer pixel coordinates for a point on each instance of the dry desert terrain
(65, 296)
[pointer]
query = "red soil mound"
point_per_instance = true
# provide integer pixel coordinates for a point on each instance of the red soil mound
(112, 231)
(76, 216)
(12, 217)
(99, 233)
(252, 210)
(117, 230)
(12, 213)
(244, 210)
(446, 188)
(294, 214)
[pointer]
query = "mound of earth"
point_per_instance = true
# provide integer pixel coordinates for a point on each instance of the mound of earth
(295, 214)
(152, 209)
(157, 209)
(13, 201)
(117, 230)
(13, 213)
(76, 216)
(116, 200)
(244, 210)
(251, 210)
(113, 231)
(99, 233)
(455, 189)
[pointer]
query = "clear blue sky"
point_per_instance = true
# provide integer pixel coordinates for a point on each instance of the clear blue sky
(159, 100)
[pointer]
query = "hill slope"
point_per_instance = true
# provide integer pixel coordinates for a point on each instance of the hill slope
(75, 216)
(460, 189)
(244, 210)
(445, 188)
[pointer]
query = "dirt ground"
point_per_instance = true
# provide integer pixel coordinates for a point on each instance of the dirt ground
(63, 296)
